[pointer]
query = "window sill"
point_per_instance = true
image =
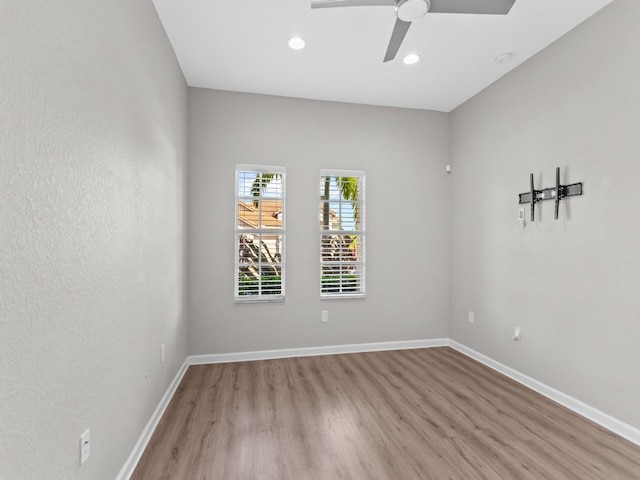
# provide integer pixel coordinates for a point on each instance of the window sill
(338, 296)
(269, 299)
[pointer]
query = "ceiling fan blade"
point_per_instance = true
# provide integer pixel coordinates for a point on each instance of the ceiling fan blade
(489, 7)
(399, 31)
(351, 3)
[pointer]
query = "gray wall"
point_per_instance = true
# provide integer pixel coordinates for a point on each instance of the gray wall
(403, 153)
(573, 285)
(92, 169)
(93, 141)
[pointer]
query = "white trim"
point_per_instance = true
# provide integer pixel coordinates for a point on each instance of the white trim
(132, 462)
(260, 230)
(315, 351)
(614, 425)
(360, 263)
(250, 167)
(604, 420)
(332, 172)
(341, 296)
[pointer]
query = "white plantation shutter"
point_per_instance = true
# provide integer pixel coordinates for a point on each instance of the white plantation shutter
(342, 234)
(260, 233)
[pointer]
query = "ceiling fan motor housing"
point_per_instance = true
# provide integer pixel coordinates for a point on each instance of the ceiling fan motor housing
(410, 10)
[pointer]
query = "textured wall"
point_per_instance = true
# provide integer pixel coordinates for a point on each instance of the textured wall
(403, 153)
(572, 284)
(92, 160)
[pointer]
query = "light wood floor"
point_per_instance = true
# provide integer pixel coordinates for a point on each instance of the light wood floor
(402, 415)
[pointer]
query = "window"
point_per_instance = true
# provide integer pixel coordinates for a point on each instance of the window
(342, 234)
(260, 233)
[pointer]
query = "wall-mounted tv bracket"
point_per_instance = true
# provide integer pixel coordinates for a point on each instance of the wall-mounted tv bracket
(556, 193)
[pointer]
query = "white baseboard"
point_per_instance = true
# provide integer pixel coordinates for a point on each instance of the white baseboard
(604, 420)
(616, 426)
(315, 351)
(130, 465)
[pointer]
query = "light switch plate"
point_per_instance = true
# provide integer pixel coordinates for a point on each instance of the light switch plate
(85, 447)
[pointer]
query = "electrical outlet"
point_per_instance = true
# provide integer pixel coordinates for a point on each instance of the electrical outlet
(162, 353)
(325, 316)
(85, 447)
(471, 317)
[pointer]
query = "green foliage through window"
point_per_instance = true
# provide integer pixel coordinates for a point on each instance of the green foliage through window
(260, 233)
(342, 233)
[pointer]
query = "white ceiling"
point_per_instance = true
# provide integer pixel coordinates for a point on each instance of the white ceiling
(241, 45)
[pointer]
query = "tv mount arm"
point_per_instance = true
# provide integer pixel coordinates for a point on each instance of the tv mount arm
(556, 193)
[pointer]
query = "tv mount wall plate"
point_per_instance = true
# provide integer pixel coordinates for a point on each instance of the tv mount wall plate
(556, 193)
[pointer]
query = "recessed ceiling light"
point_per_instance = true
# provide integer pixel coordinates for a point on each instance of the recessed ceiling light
(296, 43)
(411, 59)
(504, 58)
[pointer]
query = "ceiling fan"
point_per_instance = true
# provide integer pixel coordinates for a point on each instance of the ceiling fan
(409, 10)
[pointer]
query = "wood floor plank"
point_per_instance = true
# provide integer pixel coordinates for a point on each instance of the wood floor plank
(403, 415)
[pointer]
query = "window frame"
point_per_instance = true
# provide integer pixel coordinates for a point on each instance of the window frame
(360, 233)
(261, 297)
